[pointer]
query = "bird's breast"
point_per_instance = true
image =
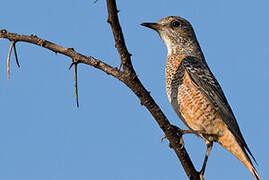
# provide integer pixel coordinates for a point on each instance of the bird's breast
(193, 108)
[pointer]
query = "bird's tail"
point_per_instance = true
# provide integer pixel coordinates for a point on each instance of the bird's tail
(229, 142)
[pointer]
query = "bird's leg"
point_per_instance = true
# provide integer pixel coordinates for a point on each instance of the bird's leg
(198, 133)
(209, 145)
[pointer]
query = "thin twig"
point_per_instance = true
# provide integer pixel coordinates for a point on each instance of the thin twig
(8, 60)
(88, 60)
(15, 52)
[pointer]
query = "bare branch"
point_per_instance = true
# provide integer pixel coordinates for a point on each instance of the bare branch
(62, 50)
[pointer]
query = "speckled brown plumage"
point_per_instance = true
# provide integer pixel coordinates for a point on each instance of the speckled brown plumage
(190, 103)
(195, 94)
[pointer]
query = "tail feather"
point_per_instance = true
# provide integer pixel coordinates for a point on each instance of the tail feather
(229, 142)
(255, 174)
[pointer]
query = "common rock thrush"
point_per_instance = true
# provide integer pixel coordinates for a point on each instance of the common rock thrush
(195, 94)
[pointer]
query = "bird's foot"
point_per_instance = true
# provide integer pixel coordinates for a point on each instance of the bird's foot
(181, 141)
(182, 132)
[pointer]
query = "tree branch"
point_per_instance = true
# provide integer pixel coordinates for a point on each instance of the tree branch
(127, 76)
(113, 20)
(89, 60)
(136, 86)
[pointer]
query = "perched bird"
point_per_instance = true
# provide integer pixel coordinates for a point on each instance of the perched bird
(195, 94)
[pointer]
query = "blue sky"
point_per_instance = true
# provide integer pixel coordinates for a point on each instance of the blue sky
(43, 136)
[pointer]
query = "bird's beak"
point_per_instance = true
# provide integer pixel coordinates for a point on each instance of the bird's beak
(154, 26)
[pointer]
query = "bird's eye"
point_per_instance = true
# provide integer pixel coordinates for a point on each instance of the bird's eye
(175, 24)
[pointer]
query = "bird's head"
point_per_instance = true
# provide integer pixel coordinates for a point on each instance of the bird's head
(176, 32)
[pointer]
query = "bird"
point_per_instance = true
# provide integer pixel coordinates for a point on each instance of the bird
(195, 94)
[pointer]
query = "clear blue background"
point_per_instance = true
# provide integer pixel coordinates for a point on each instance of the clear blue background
(43, 136)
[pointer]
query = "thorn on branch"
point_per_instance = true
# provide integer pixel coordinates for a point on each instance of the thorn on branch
(71, 65)
(15, 52)
(109, 21)
(12, 46)
(75, 63)
(76, 83)
(8, 60)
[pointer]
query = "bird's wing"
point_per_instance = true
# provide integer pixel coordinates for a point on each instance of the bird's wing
(201, 75)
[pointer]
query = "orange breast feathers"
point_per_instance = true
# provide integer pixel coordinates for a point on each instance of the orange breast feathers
(197, 110)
